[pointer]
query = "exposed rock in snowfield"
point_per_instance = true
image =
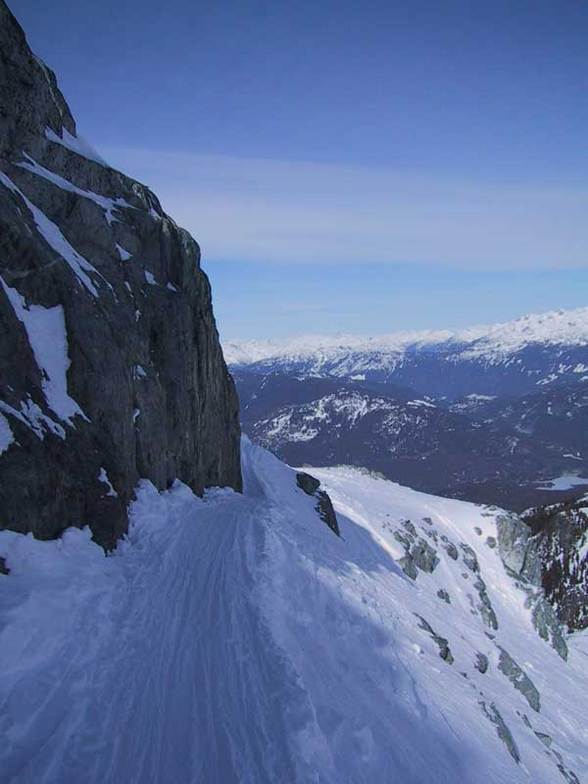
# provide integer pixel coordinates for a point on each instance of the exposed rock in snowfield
(324, 506)
(96, 281)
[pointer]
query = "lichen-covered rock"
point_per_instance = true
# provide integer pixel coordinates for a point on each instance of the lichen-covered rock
(493, 714)
(409, 526)
(424, 556)
(519, 679)
(485, 605)
(517, 548)
(451, 551)
(110, 364)
(560, 537)
(441, 642)
(546, 548)
(545, 739)
(548, 627)
(408, 566)
(469, 557)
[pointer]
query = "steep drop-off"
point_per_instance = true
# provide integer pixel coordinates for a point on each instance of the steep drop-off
(110, 364)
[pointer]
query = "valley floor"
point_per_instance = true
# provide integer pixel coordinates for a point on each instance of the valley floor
(237, 639)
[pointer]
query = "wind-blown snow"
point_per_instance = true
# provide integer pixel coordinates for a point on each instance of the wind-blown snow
(33, 417)
(51, 233)
(45, 328)
(76, 144)
(355, 354)
(108, 205)
(236, 639)
(6, 437)
(103, 477)
(124, 254)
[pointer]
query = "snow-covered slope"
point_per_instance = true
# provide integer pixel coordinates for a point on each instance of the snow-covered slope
(237, 639)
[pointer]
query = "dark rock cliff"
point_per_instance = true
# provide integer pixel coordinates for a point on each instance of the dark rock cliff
(548, 547)
(110, 364)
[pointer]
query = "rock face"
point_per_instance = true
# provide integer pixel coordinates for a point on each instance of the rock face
(110, 364)
(547, 547)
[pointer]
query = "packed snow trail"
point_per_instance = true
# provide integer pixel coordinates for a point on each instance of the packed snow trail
(236, 639)
(171, 660)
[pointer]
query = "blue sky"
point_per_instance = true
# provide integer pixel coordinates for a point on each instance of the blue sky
(347, 166)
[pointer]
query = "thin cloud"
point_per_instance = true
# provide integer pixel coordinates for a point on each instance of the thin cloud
(283, 211)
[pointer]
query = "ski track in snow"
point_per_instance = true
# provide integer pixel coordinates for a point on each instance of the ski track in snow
(236, 639)
(149, 651)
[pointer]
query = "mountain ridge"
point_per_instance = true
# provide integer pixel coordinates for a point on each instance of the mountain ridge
(556, 327)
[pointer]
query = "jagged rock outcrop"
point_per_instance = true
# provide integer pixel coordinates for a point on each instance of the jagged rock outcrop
(547, 548)
(324, 507)
(560, 544)
(110, 364)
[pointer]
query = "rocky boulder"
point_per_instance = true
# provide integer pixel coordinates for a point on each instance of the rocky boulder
(310, 485)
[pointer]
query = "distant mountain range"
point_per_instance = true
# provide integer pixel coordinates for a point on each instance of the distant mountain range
(490, 414)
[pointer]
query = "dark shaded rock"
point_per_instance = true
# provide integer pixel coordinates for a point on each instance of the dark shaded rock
(559, 534)
(543, 549)
(407, 565)
(442, 594)
(469, 557)
(481, 663)
(307, 483)
(144, 390)
(492, 713)
(491, 542)
(519, 679)
(424, 556)
(568, 774)
(518, 549)
(547, 625)
(427, 520)
(403, 539)
(545, 739)
(310, 485)
(326, 511)
(409, 526)
(3, 568)
(485, 605)
(442, 643)
(451, 551)
(478, 530)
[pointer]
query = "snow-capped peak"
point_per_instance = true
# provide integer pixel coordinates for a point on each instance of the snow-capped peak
(559, 327)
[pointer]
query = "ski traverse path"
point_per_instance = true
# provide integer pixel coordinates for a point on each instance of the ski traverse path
(180, 664)
(235, 638)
